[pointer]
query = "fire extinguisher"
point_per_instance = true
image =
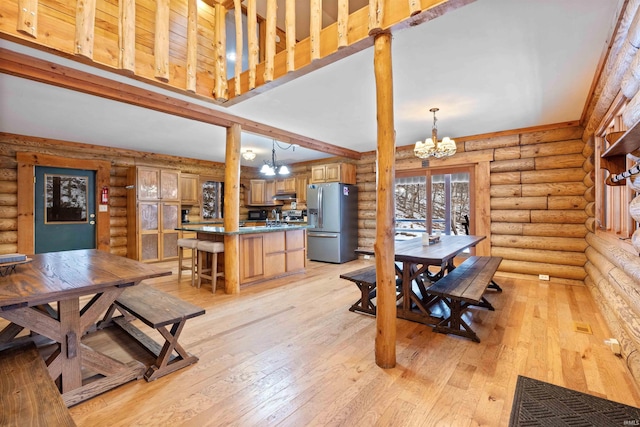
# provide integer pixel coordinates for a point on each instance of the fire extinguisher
(105, 195)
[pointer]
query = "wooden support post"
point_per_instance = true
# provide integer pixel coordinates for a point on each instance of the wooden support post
(270, 42)
(28, 17)
(237, 13)
(343, 23)
(384, 246)
(85, 27)
(376, 15)
(252, 38)
(232, 210)
(220, 88)
(290, 24)
(315, 25)
(192, 45)
(161, 43)
(127, 35)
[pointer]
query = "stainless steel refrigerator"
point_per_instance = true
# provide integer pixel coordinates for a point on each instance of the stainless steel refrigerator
(332, 214)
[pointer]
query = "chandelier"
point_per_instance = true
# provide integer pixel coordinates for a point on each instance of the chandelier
(249, 155)
(431, 146)
(271, 169)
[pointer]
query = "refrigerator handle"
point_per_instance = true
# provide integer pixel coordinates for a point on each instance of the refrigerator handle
(320, 208)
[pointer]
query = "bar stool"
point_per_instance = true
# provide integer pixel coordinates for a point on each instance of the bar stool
(187, 244)
(206, 247)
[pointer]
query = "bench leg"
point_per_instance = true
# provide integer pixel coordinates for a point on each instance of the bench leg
(364, 304)
(165, 363)
(494, 285)
(454, 324)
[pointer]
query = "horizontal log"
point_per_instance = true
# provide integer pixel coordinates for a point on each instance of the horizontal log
(554, 230)
(507, 153)
(518, 203)
(559, 216)
(512, 165)
(590, 209)
(513, 190)
(118, 241)
(566, 202)
(8, 211)
(627, 262)
(498, 142)
(118, 221)
(506, 228)
(553, 135)
(553, 280)
(553, 175)
(8, 237)
(117, 201)
(510, 216)
(539, 255)
(566, 244)
(7, 174)
(118, 181)
(8, 248)
(118, 231)
(8, 224)
(574, 146)
(8, 199)
(117, 211)
(119, 250)
(505, 178)
(554, 189)
(535, 268)
(559, 162)
(590, 224)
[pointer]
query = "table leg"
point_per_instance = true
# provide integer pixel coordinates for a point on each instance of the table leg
(69, 315)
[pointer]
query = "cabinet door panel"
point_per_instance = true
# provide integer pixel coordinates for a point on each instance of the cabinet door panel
(149, 250)
(251, 254)
(317, 174)
(169, 216)
(169, 245)
(148, 184)
(295, 260)
(332, 173)
(149, 216)
(274, 264)
(170, 182)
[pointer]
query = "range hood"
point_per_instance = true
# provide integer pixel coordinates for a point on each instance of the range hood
(285, 196)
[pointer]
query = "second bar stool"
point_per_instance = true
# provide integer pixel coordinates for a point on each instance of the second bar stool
(206, 247)
(187, 244)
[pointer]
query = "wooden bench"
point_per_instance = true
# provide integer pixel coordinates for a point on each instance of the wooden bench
(156, 309)
(365, 279)
(463, 287)
(28, 394)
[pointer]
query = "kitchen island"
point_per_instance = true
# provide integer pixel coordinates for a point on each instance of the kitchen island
(264, 252)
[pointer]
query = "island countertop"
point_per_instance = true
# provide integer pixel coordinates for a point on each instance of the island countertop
(208, 229)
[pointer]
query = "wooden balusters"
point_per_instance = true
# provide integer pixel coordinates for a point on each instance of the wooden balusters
(252, 29)
(85, 27)
(127, 35)
(343, 23)
(220, 88)
(237, 13)
(192, 45)
(414, 7)
(385, 209)
(290, 24)
(28, 17)
(161, 41)
(315, 26)
(270, 41)
(376, 14)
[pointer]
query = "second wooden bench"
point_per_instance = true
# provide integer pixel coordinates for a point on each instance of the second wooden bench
(157, 309)
(463, 287)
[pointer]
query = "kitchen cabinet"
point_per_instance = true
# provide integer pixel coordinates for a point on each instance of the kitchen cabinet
(301, 188)
(286, 186)
(333, 172)
(272, 254)
(261, 193)
(189, 189)
(153, 213)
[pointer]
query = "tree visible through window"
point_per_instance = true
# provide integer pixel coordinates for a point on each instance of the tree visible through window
(431, 201)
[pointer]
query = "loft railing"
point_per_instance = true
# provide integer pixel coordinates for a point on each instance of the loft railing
(182, 43)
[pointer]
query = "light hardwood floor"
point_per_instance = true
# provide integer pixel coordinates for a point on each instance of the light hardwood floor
(289, 353)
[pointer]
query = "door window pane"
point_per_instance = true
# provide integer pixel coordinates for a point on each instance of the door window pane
(66, 198)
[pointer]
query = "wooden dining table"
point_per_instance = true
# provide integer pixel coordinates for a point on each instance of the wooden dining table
(414, 264)
(60, 296)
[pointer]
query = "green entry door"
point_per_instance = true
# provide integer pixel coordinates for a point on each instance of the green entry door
(64, 209)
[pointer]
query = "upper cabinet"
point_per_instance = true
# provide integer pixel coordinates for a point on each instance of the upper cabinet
(261, 193)
(286, 185)
(157, 184)
(334, 172)
(189, 186)
(301, 189)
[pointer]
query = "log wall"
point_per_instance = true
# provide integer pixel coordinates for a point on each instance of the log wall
(537, 205)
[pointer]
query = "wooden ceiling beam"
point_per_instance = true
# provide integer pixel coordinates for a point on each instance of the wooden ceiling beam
(31, 68)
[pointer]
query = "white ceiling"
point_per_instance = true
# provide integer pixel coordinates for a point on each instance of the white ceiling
(489, 66)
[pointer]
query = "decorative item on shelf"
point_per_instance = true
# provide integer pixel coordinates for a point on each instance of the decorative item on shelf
(249, 155)
(431, 147)
(271, 169)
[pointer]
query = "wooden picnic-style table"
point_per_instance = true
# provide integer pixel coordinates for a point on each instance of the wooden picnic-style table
(44, 297)
(413, 260)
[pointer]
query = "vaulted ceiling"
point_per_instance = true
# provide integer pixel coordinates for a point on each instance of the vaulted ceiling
(489, 66)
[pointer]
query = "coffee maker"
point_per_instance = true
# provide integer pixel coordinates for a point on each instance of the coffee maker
(185, 215)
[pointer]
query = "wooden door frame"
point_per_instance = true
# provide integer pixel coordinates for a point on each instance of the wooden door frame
(27, 162)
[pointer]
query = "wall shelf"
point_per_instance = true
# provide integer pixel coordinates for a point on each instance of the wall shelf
(614, 159)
